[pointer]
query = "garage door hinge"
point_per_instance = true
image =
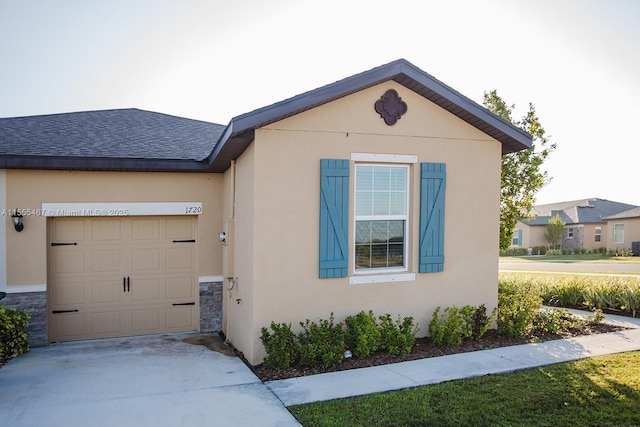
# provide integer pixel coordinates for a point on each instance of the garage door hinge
(64, 311)
(64, 244)
(184, 241)
(184, 303)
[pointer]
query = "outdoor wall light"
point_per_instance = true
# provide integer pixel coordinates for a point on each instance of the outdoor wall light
(17, 221)
(222, 237)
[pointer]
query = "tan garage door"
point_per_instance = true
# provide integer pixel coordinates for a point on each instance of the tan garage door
(121, 276)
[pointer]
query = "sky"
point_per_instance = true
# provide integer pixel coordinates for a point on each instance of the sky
(577, 61)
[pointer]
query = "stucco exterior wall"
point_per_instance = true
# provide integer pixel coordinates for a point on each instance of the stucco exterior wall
(28, 189)
(282, 225)
(631, 233)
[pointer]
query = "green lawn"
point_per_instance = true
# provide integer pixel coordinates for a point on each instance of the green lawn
(599, 391)
(571, 258)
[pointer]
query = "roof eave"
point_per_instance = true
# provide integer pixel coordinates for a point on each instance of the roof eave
(402, 72)
(101, 164)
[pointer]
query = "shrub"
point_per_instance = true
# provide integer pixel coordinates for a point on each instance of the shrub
(458, 324)
(362, 335)
(554, 252)
(450, 328)
(13, 332)
(397, 338)
(517, 308)
(321, 344)
(280, 345)
(552, 321)
(539, 250)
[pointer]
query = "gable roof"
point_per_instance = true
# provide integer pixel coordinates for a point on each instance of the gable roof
(240, 131)
(108, 139)
(132, 139)
(584, 211)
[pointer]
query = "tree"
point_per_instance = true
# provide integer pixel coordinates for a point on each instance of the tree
(521, 176)
(555, 228)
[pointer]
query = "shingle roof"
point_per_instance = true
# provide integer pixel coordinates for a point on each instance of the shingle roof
(584, 211)
(107, 137)
(631, 213)
(132, 139)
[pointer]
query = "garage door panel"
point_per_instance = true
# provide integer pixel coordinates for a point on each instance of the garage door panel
(68, 294)
(106, 323)
(123, 276)
(145, 290)
(106, 260)
(146, 320)
(180, 228)
(69, 261)
(145, 229)
(107, 291)
(69, 326)
(179, 318)
(145, 259)
(69, 231)
(106, 230)
(180, 287)
(180, 258)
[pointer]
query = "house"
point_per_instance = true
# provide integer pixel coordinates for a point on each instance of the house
(585, 224)
(623, 231)
(362, 194)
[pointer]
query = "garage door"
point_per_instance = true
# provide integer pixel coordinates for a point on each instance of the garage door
(121, 276)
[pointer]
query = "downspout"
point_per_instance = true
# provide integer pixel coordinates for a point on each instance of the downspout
(231, 280)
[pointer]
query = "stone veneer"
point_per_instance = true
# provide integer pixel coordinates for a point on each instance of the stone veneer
(34, 303)
(210, 307)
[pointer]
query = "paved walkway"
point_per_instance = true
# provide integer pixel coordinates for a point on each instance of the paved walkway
(435, 370)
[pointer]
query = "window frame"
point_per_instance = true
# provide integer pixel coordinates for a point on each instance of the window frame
(394, 274)
(398, 217)
(615, 234)
(597, 235)
(569, 233)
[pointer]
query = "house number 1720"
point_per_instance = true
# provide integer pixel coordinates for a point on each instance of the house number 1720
(193, 210)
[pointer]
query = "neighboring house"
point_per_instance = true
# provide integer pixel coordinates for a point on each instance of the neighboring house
(380, 191)
(623, 231)
(585, 224)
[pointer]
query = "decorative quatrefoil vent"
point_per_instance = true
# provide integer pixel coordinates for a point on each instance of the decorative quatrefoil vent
(391, 107)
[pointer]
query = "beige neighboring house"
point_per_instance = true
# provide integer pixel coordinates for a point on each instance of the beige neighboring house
(363, 194)
(586, 224)
(623, 231)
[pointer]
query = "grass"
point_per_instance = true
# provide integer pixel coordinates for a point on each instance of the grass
(572, 258)
(600, 391)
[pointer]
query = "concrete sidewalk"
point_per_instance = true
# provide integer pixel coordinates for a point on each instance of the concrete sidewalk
(336, 385)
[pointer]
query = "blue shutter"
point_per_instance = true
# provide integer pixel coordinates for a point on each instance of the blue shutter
(432, 190)
(334, 217)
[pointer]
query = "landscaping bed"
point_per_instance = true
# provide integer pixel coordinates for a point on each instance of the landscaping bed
(424, 348)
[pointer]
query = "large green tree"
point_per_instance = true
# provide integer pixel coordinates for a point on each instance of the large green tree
(555, 229)
(522, 175)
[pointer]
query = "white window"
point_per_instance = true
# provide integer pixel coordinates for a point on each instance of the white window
(598, 235)
(381, 217)
(515, 240)
(618, 233)
(570, 233)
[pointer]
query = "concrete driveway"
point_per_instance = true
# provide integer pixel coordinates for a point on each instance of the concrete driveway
(135, 381)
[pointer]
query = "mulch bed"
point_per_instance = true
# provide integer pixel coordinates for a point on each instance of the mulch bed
(424, 348)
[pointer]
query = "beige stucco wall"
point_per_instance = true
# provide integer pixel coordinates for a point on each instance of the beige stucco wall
(277, 208)
(631, 233)
(28, 189)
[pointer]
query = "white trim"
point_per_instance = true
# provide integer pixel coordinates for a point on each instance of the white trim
(384, 158)
(207, 279)
(121, 209)
(23, 289)
(385, 278)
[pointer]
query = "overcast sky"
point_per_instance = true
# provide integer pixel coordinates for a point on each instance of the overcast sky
(577, 61)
